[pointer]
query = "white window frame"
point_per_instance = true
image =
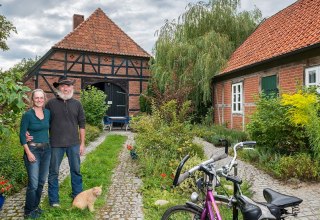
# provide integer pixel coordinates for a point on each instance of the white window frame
(237, 98)
(311, 70)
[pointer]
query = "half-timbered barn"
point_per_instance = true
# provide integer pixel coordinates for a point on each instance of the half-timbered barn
(97, 53)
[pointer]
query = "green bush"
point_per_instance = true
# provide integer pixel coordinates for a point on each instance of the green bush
(94, 105)
(92, 132)
(214, 133)
(300, 166)
(11, 162)
(163, 139)
(272, 129)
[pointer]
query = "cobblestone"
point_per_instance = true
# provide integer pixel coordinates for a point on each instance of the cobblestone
(124, 200)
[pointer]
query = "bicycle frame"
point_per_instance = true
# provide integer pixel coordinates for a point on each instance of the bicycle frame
(210, 207)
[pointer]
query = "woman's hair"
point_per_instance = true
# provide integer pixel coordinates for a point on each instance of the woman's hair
(32, 95)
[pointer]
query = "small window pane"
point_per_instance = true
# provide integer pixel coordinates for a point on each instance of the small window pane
(312, 76)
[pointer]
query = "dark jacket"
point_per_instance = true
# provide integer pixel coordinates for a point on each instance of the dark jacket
(66, 119)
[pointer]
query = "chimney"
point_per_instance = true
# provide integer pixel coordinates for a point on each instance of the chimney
(77, 19)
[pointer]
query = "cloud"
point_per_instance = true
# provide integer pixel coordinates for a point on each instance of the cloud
(41, 24)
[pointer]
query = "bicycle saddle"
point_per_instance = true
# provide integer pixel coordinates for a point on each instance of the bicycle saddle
(279, 199)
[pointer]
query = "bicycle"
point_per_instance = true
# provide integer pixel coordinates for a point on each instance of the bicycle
(276, 205)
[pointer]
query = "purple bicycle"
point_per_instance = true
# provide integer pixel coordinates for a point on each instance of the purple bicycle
(276, 207)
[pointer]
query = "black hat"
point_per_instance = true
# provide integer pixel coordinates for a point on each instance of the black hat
(63, 80)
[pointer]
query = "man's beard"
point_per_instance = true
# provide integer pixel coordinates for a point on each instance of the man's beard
(64, 96)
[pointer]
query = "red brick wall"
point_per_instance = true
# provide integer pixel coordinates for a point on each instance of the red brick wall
(56, 62)
(290, 76)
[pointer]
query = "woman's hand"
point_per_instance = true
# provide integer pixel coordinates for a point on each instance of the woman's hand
(31, 157)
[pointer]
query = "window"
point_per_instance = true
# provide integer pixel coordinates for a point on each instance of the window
(312, 77)
(269, 86)
(237, 98)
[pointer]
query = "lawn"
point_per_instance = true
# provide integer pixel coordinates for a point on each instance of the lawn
(96, 170)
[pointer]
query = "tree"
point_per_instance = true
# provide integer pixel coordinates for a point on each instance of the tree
(197, 47)
(6, 27)
(13, 95)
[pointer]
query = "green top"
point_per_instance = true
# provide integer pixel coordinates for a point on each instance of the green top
(37, 128)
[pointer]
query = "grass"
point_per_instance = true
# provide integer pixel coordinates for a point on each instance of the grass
(96, 170)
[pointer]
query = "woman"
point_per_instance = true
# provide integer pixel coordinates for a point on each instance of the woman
(37, 153)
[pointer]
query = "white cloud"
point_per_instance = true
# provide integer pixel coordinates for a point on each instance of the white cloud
(41, 24)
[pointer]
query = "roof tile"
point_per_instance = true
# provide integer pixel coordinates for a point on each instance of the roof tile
(98, 33)
(293, 28)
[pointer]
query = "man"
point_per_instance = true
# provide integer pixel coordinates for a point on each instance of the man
(67, 121)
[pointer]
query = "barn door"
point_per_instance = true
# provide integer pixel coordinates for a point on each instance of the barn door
(116, 99)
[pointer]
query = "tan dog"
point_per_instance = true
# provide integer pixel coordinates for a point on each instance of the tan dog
(87, 198)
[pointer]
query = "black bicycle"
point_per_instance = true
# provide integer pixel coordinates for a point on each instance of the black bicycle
(278, 206)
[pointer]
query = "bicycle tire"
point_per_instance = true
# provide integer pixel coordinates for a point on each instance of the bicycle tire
(181, 212)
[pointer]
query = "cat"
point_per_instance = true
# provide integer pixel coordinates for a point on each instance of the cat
(87, 198)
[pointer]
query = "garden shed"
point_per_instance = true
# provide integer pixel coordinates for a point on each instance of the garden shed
(282, 54)
(97, 53)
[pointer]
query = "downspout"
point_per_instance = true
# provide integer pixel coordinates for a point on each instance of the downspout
(222, 103)
(217, 101)
(243, 105)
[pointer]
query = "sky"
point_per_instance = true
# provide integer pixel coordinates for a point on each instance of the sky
(42, 23)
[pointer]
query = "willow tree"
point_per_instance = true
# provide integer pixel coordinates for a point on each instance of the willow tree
(191, 50)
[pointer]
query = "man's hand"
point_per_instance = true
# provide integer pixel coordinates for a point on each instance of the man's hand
(28, 137)
(82, 149)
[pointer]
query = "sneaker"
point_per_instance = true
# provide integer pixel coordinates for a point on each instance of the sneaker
(55, 205)
(32, 215)
(38, 210)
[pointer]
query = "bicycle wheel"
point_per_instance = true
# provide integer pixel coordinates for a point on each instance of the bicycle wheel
(181, 212)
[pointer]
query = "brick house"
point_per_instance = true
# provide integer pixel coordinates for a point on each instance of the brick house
(281, 54)
(98, 53)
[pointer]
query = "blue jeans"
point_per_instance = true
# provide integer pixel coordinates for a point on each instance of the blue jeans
(73, 154)
(37, 176)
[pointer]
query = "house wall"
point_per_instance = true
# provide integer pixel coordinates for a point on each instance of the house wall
(131, 75)
(289, 77)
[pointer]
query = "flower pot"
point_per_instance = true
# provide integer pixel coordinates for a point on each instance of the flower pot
(2, 199)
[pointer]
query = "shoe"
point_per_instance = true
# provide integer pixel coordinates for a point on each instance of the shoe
(55, 205)
(38, 210)
(32, 215)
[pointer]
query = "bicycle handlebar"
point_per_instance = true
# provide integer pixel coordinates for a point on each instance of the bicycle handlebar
(227, 168)
(185, 175)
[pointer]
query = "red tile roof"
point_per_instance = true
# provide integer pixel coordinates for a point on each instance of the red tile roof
(98, 33)
(293, 28)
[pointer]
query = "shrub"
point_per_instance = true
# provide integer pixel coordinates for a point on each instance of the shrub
(94, 105)
(214, 133)
(300, 166)
(270, 127)
(302, 111)
(11, 162)
(163, 139)
(92, 132)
